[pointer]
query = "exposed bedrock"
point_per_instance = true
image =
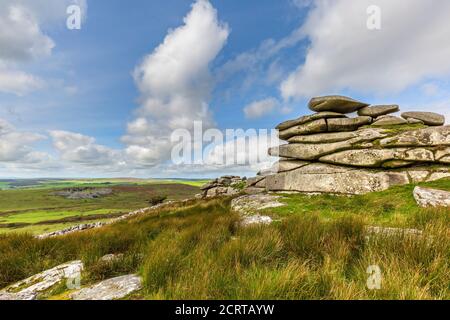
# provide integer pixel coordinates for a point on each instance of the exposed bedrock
(330, 152)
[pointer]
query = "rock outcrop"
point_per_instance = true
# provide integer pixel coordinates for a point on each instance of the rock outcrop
(335, 104)
(426, 197)
(223, 186)
(428, 118)
(111, 289)
(250, 206)
(83, 193)
(30, 288)
(40, 285)
(376, 111)
(330, 152)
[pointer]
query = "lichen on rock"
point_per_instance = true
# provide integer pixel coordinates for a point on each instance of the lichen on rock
(329, 152)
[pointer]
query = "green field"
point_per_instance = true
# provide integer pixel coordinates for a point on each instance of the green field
(37, 210)
(317, 248)
(393, 207)
(8, 184)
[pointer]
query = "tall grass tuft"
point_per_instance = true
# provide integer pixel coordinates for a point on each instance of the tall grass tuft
(199, 251)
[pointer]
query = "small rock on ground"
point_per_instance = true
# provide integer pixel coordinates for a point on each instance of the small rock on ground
(29, 288)
(392, 231)
(111, 257)
(426, 197)
(256, 219)
(114, 288)
(249, 204)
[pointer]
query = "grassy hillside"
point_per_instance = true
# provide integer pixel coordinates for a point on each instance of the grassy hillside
(38, 210)
(7, 184)
(317, 249)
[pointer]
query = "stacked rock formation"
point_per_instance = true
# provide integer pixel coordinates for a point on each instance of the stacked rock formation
(330, 152)
(223, 186)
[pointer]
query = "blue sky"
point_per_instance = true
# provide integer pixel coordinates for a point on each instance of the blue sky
(103, 100)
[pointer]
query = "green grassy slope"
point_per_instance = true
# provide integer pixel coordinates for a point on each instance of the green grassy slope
(393, 207)
(99, 182)
(22, 207)
(317, 250)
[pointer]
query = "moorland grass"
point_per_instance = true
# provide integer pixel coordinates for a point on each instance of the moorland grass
(39, 210)
(199, 251)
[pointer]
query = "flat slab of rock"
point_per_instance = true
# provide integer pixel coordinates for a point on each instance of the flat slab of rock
(379, 110)
(309, 151)
(429, 118)
(375, 158)
(251, 204)
(427, 197)
(111, 289)
(324, 178)
(284, 164)
(414, 121)
(315, 126)
(347, 124)
(256, 219)
(389, 121)
(387, 231)
(28, 289)
(254, 190)
(323, 137)
(254, 180)
(427, 137)
(308, 118)
(339, 104)
(288, 165)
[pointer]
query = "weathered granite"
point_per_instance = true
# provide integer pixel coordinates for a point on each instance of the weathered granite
(378, 110)
(329, 153)
(309, 118)
(347, 124)
(427, 197)
(388, 121)
(308, 151)
(386, 231)
(373, 158)
(315, 126)
(251, 204)
(429, 118)
(327, 178)
(254, 180)
(341, 181)
(254, 190)
(223, 186)
(30, 288)
(255, 220)
(427, 137)
(288, 165)
(111, 289)
(335, 103)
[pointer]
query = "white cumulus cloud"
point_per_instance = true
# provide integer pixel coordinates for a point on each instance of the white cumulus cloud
(412, 45)
(18, 82)
(17, 146)
(260, 108)
(23, 39)
(80, 149)
(175, 84)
